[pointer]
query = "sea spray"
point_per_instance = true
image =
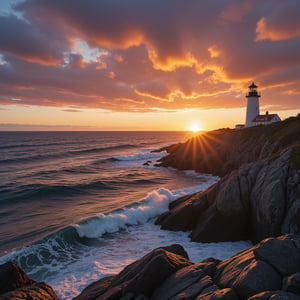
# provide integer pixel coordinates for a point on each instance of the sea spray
(154, 204)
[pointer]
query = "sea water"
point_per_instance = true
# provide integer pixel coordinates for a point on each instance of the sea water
(78, 206)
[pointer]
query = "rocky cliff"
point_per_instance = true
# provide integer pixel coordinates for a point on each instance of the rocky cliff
(260, 195)
(220, 151)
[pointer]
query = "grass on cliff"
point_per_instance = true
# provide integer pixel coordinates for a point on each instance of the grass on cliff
(281, 134)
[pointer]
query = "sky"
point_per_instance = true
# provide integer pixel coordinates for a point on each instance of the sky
(145, 65)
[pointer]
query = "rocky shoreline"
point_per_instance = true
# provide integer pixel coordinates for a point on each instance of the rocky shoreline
(258, 198)
(268, 270)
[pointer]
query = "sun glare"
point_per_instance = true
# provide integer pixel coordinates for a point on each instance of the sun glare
(195, 127)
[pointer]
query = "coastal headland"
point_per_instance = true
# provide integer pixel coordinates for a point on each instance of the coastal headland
(257, 198)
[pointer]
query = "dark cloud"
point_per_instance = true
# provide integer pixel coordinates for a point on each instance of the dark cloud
(153, 55)
(31, 41)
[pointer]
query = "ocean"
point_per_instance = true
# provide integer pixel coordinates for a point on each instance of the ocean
(78, 206)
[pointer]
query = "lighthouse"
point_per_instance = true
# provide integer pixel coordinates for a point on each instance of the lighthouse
(252, 105)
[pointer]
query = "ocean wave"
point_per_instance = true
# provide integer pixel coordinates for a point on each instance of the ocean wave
(50, 256)
(65, 154)
(139, 156)
(54, 249)
(155, 203)
(36, 191)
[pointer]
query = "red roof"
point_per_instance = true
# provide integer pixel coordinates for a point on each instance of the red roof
(264, 118)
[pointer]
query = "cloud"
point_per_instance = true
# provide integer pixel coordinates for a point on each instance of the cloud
(282, 23)
(31, 41)
(71, 110)
(148, 55)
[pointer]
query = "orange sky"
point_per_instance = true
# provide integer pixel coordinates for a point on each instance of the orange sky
(145, 65)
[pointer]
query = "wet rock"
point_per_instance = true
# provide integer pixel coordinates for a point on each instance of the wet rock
(140, 279)
(95, 289)
(12, 277)
(255, 273)
(35, 291)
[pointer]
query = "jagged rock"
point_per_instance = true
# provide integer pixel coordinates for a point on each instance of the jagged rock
(258, 276)
(188, 282)
(224, 294)
(15, 284)
(274, 295)
(12, 277)
(258, 199)
(278, 253)
(292, 284)
(140, 278)
(261, 267)
(250, 203)
(95, 289)
(255, 273)
(34, 291)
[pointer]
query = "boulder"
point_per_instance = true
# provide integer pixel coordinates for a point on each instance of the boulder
(223, 294)
(188, 282)
(12, 277)
(95, 289)
(274, 295)
(16, 284)
(263, 271)
(292, 284)
(34, 291)
(140, 279)
(278, 252)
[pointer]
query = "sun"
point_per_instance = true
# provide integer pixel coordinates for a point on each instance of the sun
(195, 127)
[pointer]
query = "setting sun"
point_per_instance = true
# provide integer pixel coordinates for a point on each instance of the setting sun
(195, 127)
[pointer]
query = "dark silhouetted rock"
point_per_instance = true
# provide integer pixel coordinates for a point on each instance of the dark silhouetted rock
(12, 277)
(250, 203)
(274, 295)
(292, 284)
(95, 289)
(139, 279)
(277, 253)
(35, 291)
(188, 282)
(221, 151)
(15, 284)
(255, 273)
(224, 294)
(258, 276)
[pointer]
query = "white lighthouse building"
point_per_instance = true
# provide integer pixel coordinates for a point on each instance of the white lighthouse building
(253, 118)
(252, 104)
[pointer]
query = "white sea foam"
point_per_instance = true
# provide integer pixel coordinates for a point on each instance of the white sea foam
(144, 154)
(151, 206)
(112, 252)
(121, 249)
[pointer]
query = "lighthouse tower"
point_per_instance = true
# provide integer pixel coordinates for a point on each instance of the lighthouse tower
(252, 104)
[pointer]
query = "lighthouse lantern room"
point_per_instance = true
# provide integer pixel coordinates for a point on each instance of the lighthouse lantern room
(252, 104)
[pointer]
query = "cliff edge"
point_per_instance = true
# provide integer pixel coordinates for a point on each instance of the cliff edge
(259, 193)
